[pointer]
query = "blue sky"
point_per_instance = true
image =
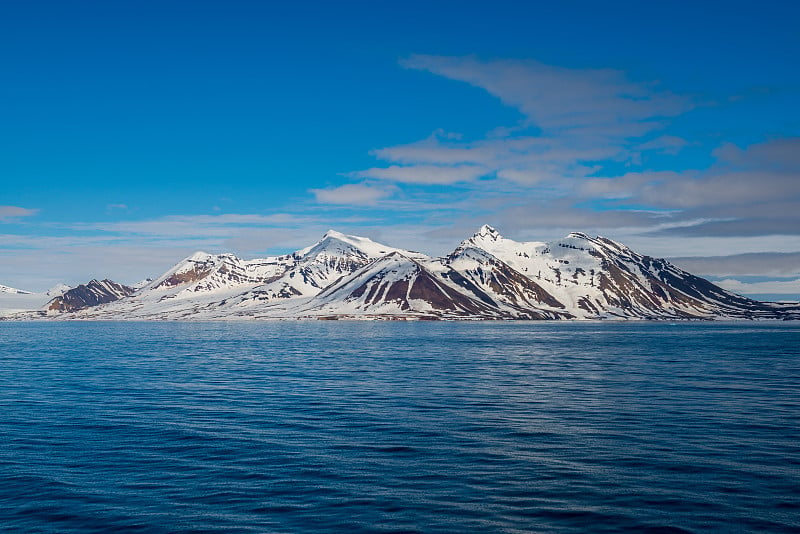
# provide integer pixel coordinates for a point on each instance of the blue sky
(133, 133)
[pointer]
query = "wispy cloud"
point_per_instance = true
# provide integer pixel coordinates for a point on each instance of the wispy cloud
(575, 122)
(751, 191)
(775, 287)
(205, 226)
(521, 159)
(763, 264)
(575, 159)
(424, 174)
(116, 207)
(352, 194)
(14, 212)
(577, 102)
(668, 144)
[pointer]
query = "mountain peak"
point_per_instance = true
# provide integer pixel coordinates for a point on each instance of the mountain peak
(332, 242)
(334, 234)
(58, 289)
(487, 230)
(579, 235)
(485, 238)
(199, 256)
(338, 243)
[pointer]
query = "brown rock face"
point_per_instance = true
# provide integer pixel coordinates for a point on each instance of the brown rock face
(198, 272)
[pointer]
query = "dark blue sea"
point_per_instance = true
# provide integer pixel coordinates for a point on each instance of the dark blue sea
(399, 427)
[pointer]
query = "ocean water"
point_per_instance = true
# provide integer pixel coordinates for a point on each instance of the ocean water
(399, 427)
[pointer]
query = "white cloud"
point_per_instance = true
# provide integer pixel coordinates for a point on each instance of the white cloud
(524, 159)
(13, 212)
(352, 194)
(424, 174)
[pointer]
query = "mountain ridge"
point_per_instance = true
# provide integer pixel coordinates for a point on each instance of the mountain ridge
(487, 276)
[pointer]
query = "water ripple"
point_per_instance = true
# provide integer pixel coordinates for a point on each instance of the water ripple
(399, 427)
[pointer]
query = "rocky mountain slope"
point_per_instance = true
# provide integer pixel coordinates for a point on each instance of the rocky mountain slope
(88, 295)
(486, 277)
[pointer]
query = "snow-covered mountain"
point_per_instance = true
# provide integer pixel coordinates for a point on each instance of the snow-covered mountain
(94, 293)
(15, 301)
(598, 277)
(13, 291)
(218, 286)
(486, 277)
